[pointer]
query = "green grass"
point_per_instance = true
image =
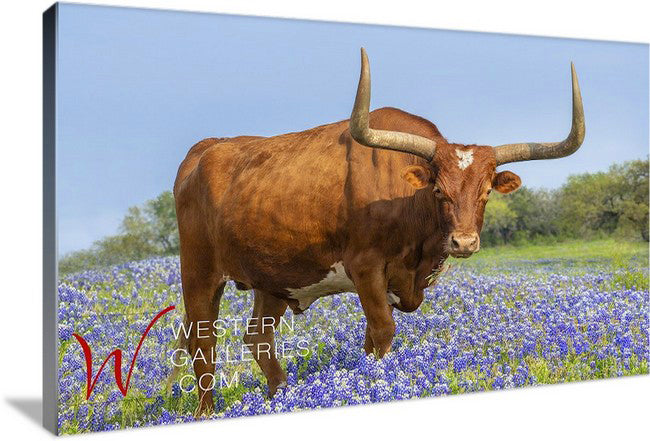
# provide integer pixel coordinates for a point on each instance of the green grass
(607, 250)
(626, 260)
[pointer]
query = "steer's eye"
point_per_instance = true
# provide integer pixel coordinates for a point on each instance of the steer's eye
(437, 192)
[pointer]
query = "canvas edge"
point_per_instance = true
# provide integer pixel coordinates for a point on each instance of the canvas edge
(50, 383)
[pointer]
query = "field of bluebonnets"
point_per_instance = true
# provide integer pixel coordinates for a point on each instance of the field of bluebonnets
(505, 318)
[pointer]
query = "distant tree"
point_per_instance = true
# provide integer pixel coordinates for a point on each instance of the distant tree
(161, 215)
(631, 181)
(536, 212)
(145, 231)
(500, 221)
(79, 260)
(587, 204)
(124, 248)
(609, 202)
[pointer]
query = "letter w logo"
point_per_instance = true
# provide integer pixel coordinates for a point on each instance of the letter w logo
(117, 354)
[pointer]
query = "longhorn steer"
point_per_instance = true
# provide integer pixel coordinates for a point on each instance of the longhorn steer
(303, 215)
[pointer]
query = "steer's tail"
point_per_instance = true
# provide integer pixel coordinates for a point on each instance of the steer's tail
(181, 343)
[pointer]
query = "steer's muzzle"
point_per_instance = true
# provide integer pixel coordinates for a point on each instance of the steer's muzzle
(463, 244)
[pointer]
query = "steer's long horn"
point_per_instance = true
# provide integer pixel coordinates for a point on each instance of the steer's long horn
(529, 151)
(385, 139)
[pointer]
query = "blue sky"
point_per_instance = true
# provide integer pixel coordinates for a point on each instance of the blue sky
(137, 88)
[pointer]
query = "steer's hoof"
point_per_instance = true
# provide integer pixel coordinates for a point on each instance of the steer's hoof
(201, 413)
(274, 389)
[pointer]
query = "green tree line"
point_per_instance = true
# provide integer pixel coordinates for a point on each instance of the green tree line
(587, 206)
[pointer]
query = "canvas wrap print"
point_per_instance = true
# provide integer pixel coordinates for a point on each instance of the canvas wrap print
(236, 224)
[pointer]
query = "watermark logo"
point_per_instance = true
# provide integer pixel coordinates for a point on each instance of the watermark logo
(117, 357)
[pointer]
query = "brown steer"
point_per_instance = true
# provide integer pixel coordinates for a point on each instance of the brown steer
(303, 215)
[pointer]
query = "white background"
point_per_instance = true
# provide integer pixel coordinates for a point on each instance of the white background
(615, 409)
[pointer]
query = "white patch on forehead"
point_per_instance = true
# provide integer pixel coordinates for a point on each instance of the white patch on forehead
(464, 158)
(392, 298)
(334, 282)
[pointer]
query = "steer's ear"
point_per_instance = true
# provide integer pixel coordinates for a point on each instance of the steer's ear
(417, 176)
(506, 182)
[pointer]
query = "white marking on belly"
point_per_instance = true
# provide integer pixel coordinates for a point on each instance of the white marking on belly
(334, 282)
(464, 158)
(392, 298)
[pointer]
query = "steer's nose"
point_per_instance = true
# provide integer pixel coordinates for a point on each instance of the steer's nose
(463, 244)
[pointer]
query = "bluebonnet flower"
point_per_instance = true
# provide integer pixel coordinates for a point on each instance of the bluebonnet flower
(493, 329)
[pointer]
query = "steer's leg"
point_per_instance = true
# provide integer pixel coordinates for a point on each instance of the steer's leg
(371, 285)
(202, 307)
(203, 286)
(259, 337)
(368, 345)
